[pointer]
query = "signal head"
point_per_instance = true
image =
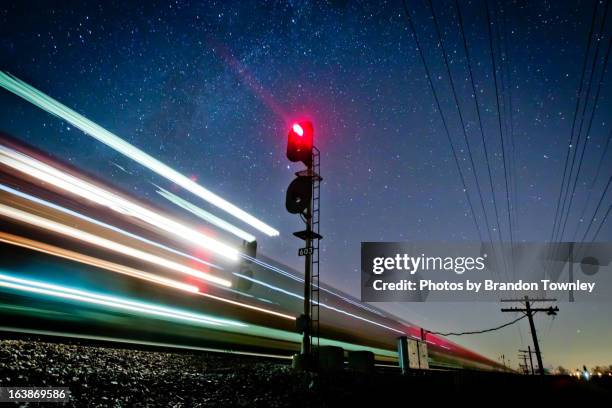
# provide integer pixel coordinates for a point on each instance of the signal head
(299, 195)
(300, 142)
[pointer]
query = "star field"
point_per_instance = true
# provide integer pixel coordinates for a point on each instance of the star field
(210, 88)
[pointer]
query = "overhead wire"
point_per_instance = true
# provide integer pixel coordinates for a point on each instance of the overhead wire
(503, 63)
(575, 115)
(603, 194)
(445, 125)
(589, 126)
(571, 147)
(601, 224)
(570, 197)
(462, 122)
(478, 113)
(508, 57)
(499, 120)
(592, 184)
(479, 331)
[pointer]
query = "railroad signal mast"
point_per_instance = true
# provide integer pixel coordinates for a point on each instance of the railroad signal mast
(303, 198)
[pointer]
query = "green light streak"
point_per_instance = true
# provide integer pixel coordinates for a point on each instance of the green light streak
(172, 314)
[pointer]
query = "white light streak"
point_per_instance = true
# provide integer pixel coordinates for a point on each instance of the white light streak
(65, 230)
(104, 225)
(295, 295)
(205, 215)
(298, 279)
(56, 108)
(97, 262)
(247, 306)
(88, 191)
(37, 246)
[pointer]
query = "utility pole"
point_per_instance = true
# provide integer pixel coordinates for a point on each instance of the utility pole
(503, 359)
(530, 360)
(524, 355)
(529, 311)
(524, 366)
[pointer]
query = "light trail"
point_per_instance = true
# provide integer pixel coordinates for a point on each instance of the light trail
(67, 254)
(89, 260)
(73, 185)
(57, 291)
(205, 215)
(103, 224)
(247, 306)
(301, 280)
(71, 232)
(295, 295)
(70, 184)
(52, 106)
(64, 292)
(125, 270)
(51, 175)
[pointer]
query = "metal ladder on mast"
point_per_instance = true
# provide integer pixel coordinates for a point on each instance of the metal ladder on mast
(314, 277)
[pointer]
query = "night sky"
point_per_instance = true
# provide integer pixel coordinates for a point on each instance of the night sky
(211, 87)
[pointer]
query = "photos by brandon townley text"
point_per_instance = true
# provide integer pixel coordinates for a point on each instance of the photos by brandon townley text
(458, 265)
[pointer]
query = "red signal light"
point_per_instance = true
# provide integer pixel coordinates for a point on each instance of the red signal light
(300, 141)
(298, 129)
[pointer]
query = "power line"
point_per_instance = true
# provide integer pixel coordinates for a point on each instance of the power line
(480, 125)
(601, 224)
(503, 66)
(480, 331)
(563, 190)
(592, 185)
(501, 136)
(478, 114)
(595, 105)
(435, 95)
(563, 215)
(512, 161)
(462, 121)
(603, 194)
(588, 131)
(576, 108)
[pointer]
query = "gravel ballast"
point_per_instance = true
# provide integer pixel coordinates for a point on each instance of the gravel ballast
(102, 376)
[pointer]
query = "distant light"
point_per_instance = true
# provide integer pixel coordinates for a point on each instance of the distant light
(298, 129)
